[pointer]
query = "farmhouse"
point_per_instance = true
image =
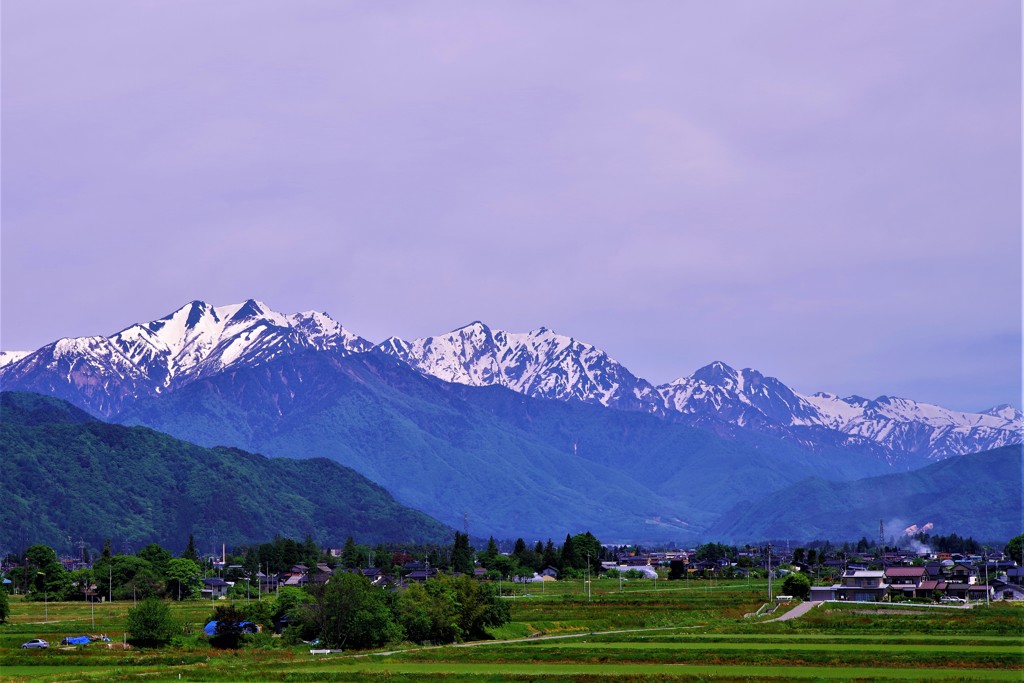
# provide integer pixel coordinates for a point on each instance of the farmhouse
(863, 586)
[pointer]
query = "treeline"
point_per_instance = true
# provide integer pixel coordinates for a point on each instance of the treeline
(152, 571)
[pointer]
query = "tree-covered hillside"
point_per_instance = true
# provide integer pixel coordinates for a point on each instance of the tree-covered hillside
(979, 494)
(68, 476)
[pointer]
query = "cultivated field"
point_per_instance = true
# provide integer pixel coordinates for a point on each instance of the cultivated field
(676, 632)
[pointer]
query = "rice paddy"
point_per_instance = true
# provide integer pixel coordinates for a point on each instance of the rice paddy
(677, 632)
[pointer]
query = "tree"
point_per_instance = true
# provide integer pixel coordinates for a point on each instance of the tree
(586, 545)
(429, 612)
(350, 554)
(47, 578)
(550, 556)
(5, 606)
(712, 552)
(351, 612)
(487, 556)
(798, 585)
(183, 579)
(150, 624)
(568, 559)
(228, 631)
(798, 555)
(1015, 549)
(190, 552)
(289, 603)
(157, 558)
(462, 554)
(480, 607)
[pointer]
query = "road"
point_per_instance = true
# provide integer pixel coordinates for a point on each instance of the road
(798, 611)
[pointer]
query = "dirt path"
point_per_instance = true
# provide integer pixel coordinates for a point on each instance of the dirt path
(798, 611)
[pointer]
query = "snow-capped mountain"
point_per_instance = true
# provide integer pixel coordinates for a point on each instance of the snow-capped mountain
(543, 364)
(103, 374)
(910, 426)
(747, 398)
(540, 363)
(197, 340)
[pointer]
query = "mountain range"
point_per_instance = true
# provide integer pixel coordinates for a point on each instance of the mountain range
(532, 433)
(104, 374)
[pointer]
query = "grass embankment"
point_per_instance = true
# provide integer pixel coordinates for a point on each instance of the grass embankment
(674, 633)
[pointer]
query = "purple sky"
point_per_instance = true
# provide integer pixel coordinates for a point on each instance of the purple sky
(829, 192)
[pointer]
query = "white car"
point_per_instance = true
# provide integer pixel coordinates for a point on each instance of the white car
(35, 643)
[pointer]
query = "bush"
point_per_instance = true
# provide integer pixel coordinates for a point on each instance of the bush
(150, 624)
(797, 585)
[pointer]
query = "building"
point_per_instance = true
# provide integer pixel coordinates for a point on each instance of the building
(863, 586)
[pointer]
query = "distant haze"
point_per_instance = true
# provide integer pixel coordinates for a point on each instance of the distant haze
(829, 192)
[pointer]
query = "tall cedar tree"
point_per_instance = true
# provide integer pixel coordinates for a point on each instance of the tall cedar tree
(568, 554)
(190, 552)
(462, 554)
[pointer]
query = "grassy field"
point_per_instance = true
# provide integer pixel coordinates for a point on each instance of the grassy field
(676, 632)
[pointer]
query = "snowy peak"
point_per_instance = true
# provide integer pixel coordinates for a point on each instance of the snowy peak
(539, 363)
(1006, 412)
(717, 374)
(744, 397)
(194, 341)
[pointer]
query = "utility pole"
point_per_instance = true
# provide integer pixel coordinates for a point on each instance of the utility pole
(769, 573)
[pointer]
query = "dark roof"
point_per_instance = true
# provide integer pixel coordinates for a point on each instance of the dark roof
(215, 581)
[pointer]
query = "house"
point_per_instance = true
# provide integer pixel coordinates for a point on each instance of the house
(968, 591)
(268, 584)
(376, 575)
(421, 575)
(214, 587)
(1007, 591)
(906, 580)
(961, 572)
(863, 586)
(929, 587)
(1015, 575)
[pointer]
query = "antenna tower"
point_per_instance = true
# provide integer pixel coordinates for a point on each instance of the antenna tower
(881, 536)
(465, 524)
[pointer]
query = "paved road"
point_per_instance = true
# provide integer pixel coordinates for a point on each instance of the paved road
(798, 611)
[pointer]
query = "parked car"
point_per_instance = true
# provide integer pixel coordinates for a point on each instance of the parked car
(36, 642)
(949, 598)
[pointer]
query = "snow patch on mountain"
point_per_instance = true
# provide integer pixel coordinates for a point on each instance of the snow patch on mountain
(8, 357)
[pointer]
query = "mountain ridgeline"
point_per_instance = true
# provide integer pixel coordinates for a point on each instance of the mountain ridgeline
(69, 476)
(529, 434)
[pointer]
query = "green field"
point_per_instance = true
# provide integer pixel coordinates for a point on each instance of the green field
(677, 632)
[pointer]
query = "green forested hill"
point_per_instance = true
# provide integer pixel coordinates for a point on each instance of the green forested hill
(67, 476)
(977, 495)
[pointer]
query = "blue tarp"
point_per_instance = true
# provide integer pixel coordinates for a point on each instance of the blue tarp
(77, 640)
(246, 626)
